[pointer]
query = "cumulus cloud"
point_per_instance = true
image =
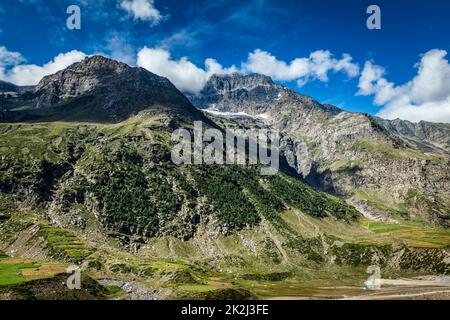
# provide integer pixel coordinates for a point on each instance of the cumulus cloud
(425, 97)
(185, 75)
(8, 58)
(188, 77)
(142, 10)
(31, 74)
(316, 66)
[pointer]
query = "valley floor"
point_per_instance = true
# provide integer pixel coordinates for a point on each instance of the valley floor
(249, 264)
(22, 279)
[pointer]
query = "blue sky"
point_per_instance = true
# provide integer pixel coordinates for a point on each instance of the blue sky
(228, 31)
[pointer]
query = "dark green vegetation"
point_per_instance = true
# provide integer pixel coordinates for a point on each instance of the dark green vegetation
(310, 201)
(219, 294)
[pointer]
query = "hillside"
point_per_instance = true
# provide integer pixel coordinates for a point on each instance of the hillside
(98, 189)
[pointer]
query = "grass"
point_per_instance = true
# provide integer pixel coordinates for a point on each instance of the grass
(41, 140)
(414, 235)
(370, 232)
(382, 201)
(390, 152)
(196, 287)
(19, 270)
(63, 244)
(380, 227)
(11, 273)
(326, 282)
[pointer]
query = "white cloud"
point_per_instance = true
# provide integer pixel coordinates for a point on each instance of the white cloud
(185, 75)
(372, 82)
(142, 10)
(425, 97)
(8, 58)
(31, 74)
(316, 66)
(190, 78)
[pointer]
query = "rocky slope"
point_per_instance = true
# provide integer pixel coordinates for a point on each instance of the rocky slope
(361, 158)
(426, 136)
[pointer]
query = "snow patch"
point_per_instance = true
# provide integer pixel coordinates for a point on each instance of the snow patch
(237, 115)
(264, 116)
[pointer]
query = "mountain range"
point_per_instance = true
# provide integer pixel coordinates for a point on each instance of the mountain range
(86, 177)
(385, 168)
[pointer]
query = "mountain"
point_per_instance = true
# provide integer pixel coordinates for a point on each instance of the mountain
(8, 87)
(103, 90)
(123, 172)
(367, 161)
(425, 136)
(253, 93)
(97, 188)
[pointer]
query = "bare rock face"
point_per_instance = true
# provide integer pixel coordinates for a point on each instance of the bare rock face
(236, 92)
(427, 136)
(253, 94)
(111, 89)
(397, 166)
(228, 83)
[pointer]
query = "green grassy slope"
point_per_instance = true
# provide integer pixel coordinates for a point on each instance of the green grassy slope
(216, 231)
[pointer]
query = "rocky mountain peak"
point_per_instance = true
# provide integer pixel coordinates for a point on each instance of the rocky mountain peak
(109, 89)
(236, 81)
(426, 136)
(79, 78)
(100, 64)
(232, 91)
(254, 94)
